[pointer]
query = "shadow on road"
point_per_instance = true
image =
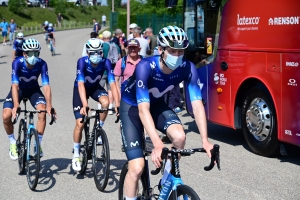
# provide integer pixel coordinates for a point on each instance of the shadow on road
(2, 100)
(114, 175)
(236, 138)
(3, 63)
(57, 54)
(49, 168)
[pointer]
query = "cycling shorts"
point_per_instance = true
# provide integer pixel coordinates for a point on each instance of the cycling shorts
(94, 92)
(34, 95)
(132, 128)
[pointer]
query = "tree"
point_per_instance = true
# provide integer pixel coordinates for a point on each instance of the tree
(17, 6)
(60, 6)
(117, 3)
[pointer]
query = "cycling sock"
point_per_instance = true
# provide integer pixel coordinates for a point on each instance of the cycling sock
(76, 150)
(128, 198)
(40, 138)
(101, 123)
(110, 106)
(99, 106)
(12, 139)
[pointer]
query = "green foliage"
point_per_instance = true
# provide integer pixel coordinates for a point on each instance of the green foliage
(122, 22)
(83, 9)
(17, 6)
(117, 3)
(32, 24)
(155, 7)
(60, 6)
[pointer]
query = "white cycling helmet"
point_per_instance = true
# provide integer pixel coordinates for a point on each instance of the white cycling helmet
(93, 44)
(31, 44)
(50, 25)
(46, 23)
(20, 36)
(173, 37)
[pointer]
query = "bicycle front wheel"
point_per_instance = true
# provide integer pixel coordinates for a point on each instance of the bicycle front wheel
(101, 160)
(141, 187)
(33, 159)
(21, 146)
(184, 192)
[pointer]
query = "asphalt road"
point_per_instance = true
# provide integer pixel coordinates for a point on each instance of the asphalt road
(244, 175)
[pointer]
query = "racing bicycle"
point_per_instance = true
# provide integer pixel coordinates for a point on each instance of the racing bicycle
(95, 149)
(28, 146)
(173, 187)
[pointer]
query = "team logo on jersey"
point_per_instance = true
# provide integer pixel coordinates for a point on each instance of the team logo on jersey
(134, 144)
(27, 79)
(13, 72)
(140, 84)
(183, 64)
(157, 94)
(76, 108)
(86, 60)
(89, 79)
(153, 65)
(22, 60)
(78, 72)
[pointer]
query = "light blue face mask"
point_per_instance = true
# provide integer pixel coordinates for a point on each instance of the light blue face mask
(173, 61)
(32, 60)
(95, 59)
(19, 41)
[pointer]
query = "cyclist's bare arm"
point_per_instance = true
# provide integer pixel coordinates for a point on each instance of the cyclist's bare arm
(48, 97)
(82, 94)
(15, 97)
(200, 118)
(117, 78)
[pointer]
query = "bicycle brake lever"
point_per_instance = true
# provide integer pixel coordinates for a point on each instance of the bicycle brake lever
(52, 116)
(84, 116)
(17, 115)
(214, 157)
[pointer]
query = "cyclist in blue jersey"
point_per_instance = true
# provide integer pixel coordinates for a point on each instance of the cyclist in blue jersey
(51, 37)
(17, 46)
(142, 104)
(45, 26)
(90, 69)
(25, 73)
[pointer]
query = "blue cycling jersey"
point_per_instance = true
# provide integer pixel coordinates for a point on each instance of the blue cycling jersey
(17, 46)
(49, 30)
(148, 83)
(28, 78)
(90, 75)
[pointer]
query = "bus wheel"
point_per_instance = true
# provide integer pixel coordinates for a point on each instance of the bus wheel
(259, 122)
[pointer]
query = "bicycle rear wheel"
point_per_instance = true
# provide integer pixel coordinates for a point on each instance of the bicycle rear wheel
(141, 188)
(21, 146)
(101, 160)
(33, 159)
(184, 192)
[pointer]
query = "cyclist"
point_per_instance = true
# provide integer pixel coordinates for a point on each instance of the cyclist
(90, 69)
(142, 104)
(51, 37)
(17, 46)
(45, 26)
(25, 73)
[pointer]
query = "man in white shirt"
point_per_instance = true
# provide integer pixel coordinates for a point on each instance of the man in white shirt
(131, 27)
(103, 20)
(143, 42)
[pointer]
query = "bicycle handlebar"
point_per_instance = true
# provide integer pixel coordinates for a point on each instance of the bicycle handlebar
(84, 117)
(215, 157)
(34, 111)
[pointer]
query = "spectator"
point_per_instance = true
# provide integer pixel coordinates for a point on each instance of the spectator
(100, 36)
(59, 19)
(143, 42)
(103, 20)
(130, 61)
(92, 35)
(117, 37)
(12, 29)
(4, 27)
(131, 27)
(96, 26)
(152, 41)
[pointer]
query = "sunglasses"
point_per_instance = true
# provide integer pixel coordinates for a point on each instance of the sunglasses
(176, 45)
(95, 52)
(32, 53)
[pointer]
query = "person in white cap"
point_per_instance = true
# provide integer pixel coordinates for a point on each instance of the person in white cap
(131, 27)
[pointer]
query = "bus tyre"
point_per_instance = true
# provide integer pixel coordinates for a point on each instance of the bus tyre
(259, 121)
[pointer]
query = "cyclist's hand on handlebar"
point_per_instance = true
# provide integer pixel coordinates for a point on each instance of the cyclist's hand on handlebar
(83, 110)
(156, 155)
(48, 108)
(14, 112)
(208, 146)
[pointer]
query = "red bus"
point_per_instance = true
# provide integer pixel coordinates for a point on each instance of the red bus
(247, 54)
